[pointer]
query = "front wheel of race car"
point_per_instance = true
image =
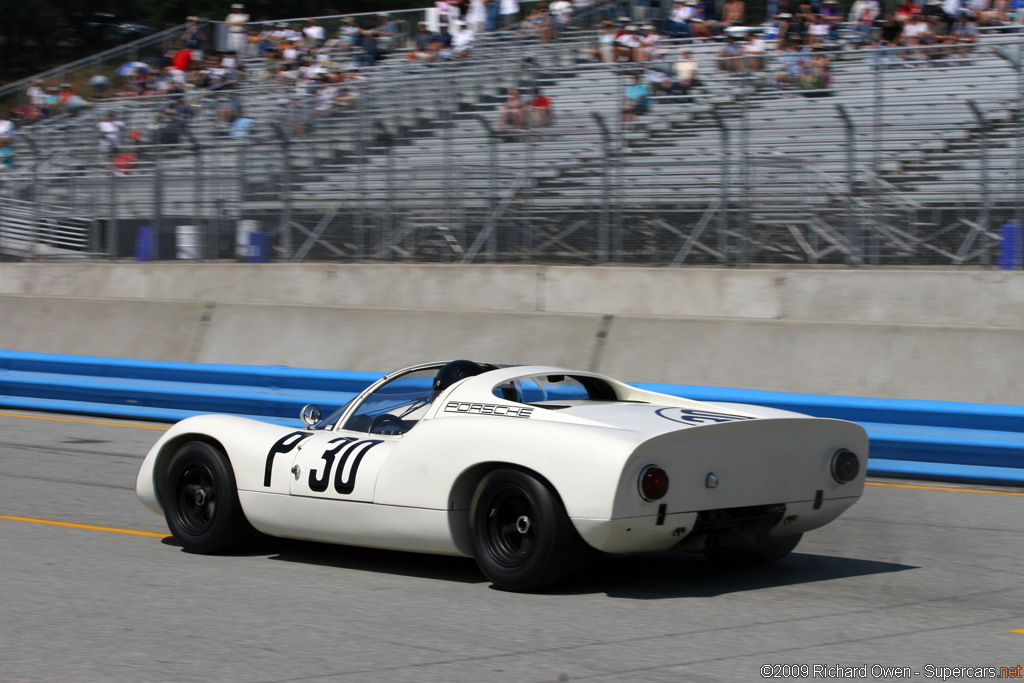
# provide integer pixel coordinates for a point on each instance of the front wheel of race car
(772, 550)
(523, 539)
(201, 501)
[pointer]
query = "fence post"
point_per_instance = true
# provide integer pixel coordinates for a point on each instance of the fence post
(604, 219)
(986, 195)
(387, 229)
(34, 233)
(853, 238)
(1018, 172)
(112, 221)
(876, 162)
(492, 188)
(206, 240)
(723, 211)
(285, 186)
(158, 190)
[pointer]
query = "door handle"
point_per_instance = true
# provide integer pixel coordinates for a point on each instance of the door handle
(296, 470)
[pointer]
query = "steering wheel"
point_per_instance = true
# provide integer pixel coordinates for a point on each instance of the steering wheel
(387, 424)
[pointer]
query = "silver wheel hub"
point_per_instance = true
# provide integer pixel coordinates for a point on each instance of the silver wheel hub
(523, 524)
(200, 497)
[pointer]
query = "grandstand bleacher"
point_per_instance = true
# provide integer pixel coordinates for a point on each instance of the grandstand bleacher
(901, 161)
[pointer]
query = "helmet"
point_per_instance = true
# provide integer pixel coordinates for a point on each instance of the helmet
(453, 372)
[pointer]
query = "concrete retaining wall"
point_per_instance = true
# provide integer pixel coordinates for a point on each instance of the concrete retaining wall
(895, 334)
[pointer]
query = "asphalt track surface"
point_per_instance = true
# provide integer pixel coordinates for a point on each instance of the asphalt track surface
(912, 577)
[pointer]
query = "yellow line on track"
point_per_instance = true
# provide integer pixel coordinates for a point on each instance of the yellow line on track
(944, 488)
(87, 422)
(131, 532)
(1017, 630)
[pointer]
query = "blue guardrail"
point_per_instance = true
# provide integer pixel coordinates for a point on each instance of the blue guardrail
(934, 440)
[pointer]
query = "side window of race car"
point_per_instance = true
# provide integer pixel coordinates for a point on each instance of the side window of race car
(395, 407)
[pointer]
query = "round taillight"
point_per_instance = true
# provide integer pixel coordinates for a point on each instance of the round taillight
(845, 466)
(653, 483)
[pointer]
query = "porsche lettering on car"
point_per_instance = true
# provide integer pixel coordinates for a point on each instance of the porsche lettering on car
(530, 470)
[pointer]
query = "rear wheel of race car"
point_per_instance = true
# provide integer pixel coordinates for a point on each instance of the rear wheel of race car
(522, 537)
(201, 501)
(766, 553)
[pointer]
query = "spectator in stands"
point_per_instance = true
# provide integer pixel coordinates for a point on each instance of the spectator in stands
(35, 95)
(916, 33)
(425, 48)
(684, 73)
(370, 48)
(6, 128)
(649, 41)
(862, 19)
(793, 59)
(819, 30)
(816, 77)
(541, 110)
(462, 42)
(313, 34)
(229, 108)
(539, 23)
(753, 49)
(193, 38)
(509, 11)
(476, 16)
(7, 154)
(637, 101)
(905, 9)
(513, 110)
(679, 19)
(658, 82)
(605, 49)
(729, 55)
(387, 32)
(732, 13)
(493, 15)
(890, 36)
(833, 15)
(442, 43)
(965, 32)
(236, 22)
(561, 12)
(109, 128)
(627, 43)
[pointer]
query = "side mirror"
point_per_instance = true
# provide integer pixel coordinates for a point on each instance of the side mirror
(310, 415)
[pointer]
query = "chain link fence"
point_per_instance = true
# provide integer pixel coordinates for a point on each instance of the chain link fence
(906, 157)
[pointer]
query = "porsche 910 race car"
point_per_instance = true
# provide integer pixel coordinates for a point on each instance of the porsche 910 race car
(528, 469)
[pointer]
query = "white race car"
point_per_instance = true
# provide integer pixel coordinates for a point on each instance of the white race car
(527, 469)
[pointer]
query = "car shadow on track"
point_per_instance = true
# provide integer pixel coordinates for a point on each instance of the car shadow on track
(641, 577)
(683, 575)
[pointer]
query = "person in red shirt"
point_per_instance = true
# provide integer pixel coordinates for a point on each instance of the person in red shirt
(181, 60)
(540, 109)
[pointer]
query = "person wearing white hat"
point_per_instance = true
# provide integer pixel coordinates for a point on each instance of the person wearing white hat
(236, 22)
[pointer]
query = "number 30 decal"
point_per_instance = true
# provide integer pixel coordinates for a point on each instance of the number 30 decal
(348, 446)
(318, 482)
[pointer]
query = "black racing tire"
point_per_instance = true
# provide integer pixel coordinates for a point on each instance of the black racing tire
(201, 501)
(772, 551)
(523, 539)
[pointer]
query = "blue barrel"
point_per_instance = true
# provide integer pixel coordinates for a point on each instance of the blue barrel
(257, 247)
(145, 245)
(1011, 251)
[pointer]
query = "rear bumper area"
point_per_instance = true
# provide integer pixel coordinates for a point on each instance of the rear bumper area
(691, 530)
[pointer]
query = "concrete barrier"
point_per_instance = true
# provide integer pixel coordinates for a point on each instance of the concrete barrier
(885, 333)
